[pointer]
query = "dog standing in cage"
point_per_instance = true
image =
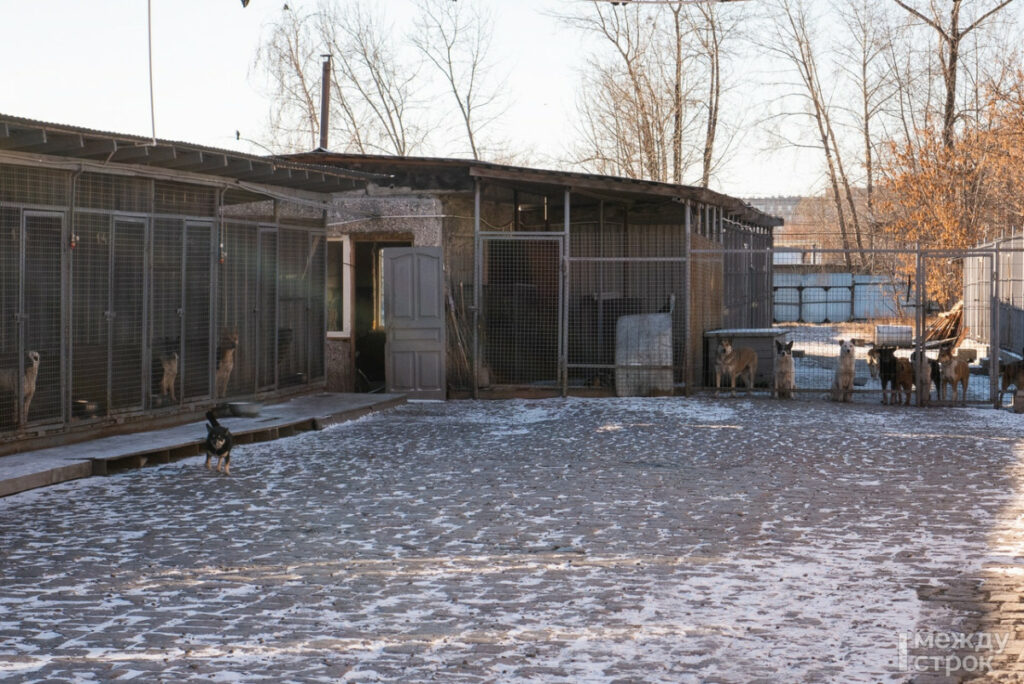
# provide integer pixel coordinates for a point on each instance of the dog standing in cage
(785, 374)
(9, 383)
(926, 374)
(170, 376)
(734, 362)
(896, 374)
(954, 373)
(842, 384)
(225, 361)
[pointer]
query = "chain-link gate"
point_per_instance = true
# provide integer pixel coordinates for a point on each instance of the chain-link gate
(893, 308)
(521, 329)
(30, 368)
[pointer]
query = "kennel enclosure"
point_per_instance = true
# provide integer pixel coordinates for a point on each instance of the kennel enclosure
(138, 272)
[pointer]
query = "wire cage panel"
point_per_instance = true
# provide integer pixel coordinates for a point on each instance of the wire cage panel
(90, 329)
(293, 295)
(197, 317)
(522, 300)
(32, 185)
(166, 313)
(183, 199)
(113, 193)
(10, 311)
(316, 327)
(41, 316)
(267, 288)
(239, 309)
(613, 304)
(946, 300)
(126, 318)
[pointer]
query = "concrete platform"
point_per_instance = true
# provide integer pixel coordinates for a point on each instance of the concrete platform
(31, 469)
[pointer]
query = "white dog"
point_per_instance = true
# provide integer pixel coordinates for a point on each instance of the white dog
(842, 385)
(9, 383)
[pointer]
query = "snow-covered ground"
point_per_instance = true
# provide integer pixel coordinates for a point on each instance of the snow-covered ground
(656, 540)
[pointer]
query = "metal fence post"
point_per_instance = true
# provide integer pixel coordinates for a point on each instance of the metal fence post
(688, 374)
(563, 309)
(477, 287)
(995, 334)
(919, 321)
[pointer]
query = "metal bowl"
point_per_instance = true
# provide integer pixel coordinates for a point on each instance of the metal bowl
(244, 409)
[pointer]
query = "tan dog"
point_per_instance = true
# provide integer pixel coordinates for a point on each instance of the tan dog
(842, 384)
(954, 372)
(9, 383)
(170, 377)
(785, 376)
(734, 361)
(225, 362)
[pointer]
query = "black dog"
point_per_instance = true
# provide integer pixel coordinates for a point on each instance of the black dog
(218, 443)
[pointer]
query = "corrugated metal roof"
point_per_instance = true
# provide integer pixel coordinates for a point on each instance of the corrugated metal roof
(413, 170)
(39, 137)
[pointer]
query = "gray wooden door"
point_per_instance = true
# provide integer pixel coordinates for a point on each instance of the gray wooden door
(414, 320)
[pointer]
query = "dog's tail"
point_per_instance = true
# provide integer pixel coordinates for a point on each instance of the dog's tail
(212, 418)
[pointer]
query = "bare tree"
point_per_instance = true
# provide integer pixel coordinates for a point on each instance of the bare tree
(711, 31)
(373, 87)
(373, 96)
(455, 39)
(636, 96)
(951, 37)
(287, 56)
(862, 59)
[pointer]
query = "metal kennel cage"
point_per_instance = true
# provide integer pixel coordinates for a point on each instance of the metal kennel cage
(137, 294)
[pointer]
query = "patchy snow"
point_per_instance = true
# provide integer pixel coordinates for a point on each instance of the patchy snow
(664, 540)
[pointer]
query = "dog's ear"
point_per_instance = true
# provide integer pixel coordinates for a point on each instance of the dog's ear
(789, 346)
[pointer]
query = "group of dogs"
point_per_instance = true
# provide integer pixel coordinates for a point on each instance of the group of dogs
(225, 364)
(9, 377)
(898, 376)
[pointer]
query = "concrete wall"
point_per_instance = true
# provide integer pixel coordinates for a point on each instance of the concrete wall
(340, 374)
(419, 216)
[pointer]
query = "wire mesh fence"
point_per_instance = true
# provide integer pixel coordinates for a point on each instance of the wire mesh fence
(521, 310)
(122, 295)
(647, 316)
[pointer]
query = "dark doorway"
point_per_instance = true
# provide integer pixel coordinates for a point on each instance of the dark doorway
(368, 320)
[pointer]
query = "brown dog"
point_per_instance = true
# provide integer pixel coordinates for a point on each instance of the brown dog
(9, 383)
(734, 361)
(904, 380)
(225, 362)
(954, 372)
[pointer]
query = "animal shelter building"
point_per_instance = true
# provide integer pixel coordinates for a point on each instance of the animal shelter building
(140, 278)
(462, 278)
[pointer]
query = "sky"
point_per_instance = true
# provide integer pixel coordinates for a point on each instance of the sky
(85, 63)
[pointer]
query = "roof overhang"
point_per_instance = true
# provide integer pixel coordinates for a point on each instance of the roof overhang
(444, 174)
(42, 139)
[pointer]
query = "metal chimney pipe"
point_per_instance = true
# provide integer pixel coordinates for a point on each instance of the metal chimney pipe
(325, 102)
